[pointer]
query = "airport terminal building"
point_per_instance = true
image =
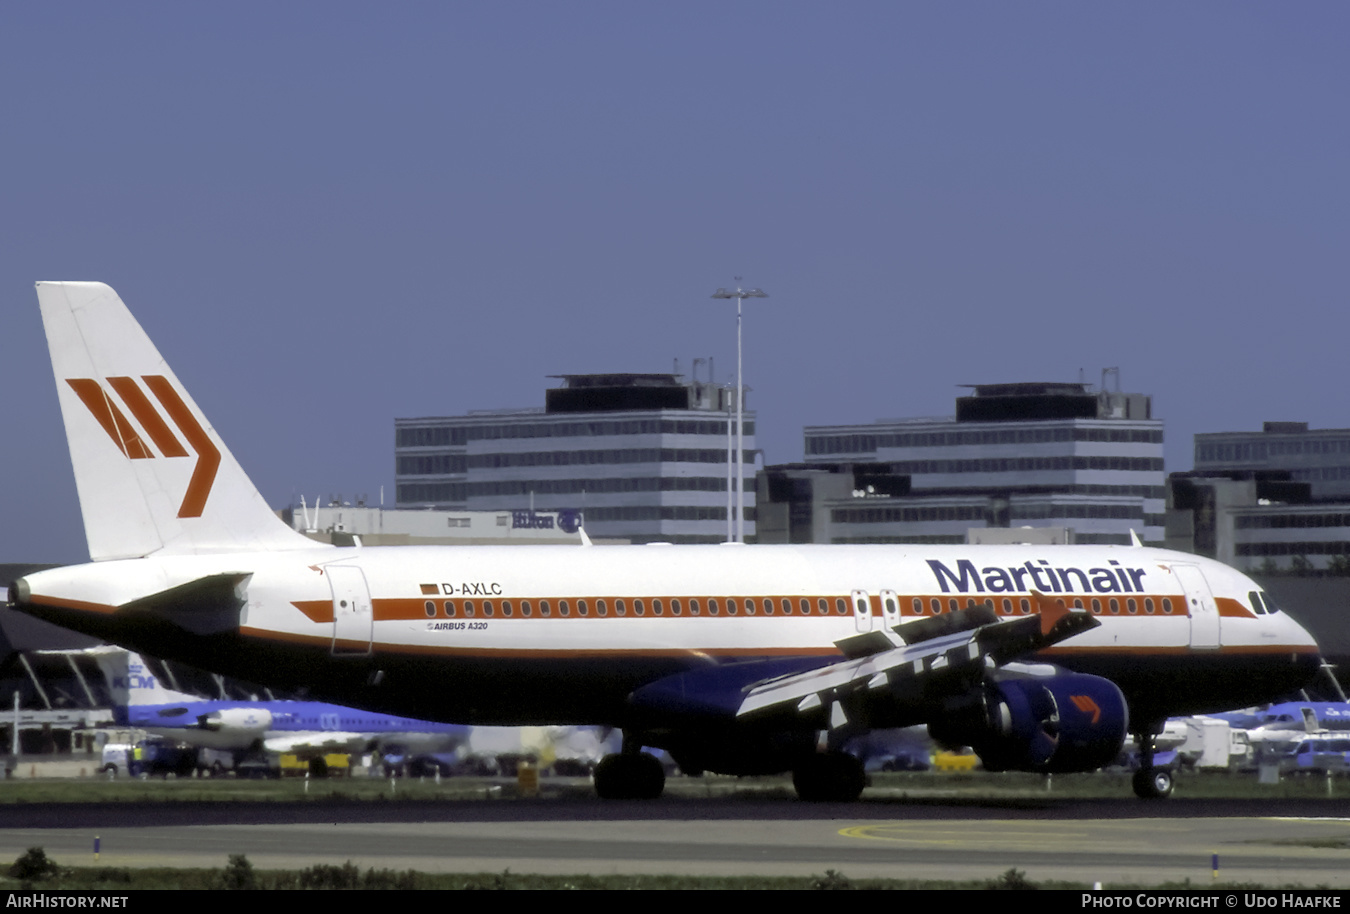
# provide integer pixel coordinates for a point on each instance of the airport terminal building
(641, 457)
(1072, 464)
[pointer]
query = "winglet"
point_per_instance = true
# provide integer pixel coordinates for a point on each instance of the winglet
(1051, 611)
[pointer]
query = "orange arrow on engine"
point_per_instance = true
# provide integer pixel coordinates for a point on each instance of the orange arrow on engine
(1085, 704)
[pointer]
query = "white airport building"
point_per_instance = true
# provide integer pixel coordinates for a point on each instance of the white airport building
(346, 524)
(642, 457)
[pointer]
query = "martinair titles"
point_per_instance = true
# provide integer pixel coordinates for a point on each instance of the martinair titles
(734, 659)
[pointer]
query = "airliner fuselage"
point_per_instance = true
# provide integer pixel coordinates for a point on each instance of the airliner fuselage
(515, 635)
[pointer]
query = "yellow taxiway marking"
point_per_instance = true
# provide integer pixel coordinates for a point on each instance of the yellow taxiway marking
(1002, 833)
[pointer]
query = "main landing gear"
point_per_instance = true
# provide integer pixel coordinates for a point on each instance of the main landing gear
(629, 776)
(832, 776)
(1150, 783)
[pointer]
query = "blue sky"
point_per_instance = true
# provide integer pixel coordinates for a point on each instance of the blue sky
(331, 214)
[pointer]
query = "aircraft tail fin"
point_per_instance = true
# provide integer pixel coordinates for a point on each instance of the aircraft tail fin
(132, 683)
(152, 475)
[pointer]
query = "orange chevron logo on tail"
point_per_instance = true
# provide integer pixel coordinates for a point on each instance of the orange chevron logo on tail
(135, 447)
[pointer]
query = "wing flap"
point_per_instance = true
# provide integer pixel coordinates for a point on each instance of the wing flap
(970, 642)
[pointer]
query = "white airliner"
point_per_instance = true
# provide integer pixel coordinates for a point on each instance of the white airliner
(733, 659)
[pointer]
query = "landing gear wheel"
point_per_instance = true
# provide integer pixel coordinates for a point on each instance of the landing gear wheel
(835, 777)
(318, 768)
(629, 776)
(1153, 783)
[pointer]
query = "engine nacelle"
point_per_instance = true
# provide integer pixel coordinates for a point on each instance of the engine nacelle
(1053, 723)
(243, 721)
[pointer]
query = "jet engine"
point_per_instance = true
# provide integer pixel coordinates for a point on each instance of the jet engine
(243, 721)
(1058, 722)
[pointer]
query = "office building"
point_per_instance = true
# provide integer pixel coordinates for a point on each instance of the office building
(1319, 457)
(1038, 455)
(641, 457)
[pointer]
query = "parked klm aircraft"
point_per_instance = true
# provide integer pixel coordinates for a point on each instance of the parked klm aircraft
(307, 729)
(738, 660)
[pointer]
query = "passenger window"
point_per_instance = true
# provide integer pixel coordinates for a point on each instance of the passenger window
(430, 607)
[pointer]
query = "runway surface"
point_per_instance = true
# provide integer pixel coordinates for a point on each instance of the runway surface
(1274, 843)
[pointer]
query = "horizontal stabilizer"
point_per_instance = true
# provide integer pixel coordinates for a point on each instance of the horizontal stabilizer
(206, 606)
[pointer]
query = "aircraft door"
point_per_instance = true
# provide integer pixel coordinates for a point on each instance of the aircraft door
(353, 618)
(890, 608)
(862, 610)
(1204, 612)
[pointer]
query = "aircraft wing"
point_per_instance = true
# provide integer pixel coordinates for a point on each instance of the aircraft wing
(912, 661)
(317, 742)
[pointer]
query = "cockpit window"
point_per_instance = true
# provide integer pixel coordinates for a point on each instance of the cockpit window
(1255, 599)
(1271, 606)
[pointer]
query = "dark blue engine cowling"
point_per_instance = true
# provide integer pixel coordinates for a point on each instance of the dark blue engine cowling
(1058, 723)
